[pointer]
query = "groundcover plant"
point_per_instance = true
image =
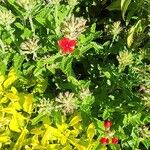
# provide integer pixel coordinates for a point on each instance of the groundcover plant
(74, 74)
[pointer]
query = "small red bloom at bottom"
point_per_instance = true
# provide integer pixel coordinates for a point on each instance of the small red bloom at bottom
(114, 140)
(67, 45)
(107, 124)
(104, 140)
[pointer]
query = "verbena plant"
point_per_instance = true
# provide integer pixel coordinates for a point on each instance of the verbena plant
(74, 74)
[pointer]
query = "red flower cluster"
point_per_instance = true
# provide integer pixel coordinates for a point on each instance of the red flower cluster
(107, 124)
(105, 140)
(67, 45)
(114, 140)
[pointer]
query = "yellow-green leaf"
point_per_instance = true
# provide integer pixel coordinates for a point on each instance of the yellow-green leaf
(35, 141)
(2, 78)
(27, 106)
(1, 89)
(20, 140)
(78, 146)
(91, 131)
(14, 126)
(10, 81)
(17, 122)
(36, 131)
(131, 33)
(13, 97)
(75, 120)
(124, 6)
(14, 90)
(4, 100)
(53, 146)
(68, 147)
(4, 139)
(16, 105)
(47, 135)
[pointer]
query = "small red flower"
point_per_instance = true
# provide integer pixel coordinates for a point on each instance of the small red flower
(107, 124)
(104, 140)
(67, 45)
(114, 140)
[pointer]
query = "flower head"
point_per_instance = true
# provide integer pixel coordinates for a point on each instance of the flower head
(28, 5)
(66, 102)
(30, 46)
(84, 93)
(45, 107)
(104, 140)
(6, 17)
(125, 58)
(116, 28)
(72, 27)
(107, 124)
(72, 2)
(67, 45)
(114, 140)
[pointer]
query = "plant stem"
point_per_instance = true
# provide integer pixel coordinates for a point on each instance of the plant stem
(2, 46)
(112, 41)
(56, 20)
(31, 24)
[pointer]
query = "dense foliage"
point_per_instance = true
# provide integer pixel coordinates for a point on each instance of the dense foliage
(74, 74)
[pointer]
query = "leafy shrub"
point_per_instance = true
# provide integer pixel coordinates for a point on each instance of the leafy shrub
(74, 74)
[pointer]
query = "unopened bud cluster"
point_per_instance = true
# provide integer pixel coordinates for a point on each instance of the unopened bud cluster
(72, 27)
(6, 17)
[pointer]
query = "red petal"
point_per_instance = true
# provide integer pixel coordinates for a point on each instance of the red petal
(66, 45)
(115, 140)
(104, 140)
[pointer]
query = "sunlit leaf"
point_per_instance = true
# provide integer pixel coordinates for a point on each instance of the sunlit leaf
(131, 33)
(17, 122)
(2, 78)
(11, 78)
(20, 140)
(91, 131)
(27, 106)
(4, 139)
(124, 6)
(14, 125)
(12, 97)
(75, 120)
(9, 81)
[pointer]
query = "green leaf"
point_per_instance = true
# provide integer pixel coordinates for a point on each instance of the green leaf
(135, 28)
(75, 120)
(20, 140)
(27, 106)
(124, 6)
(19, 25)
(11, 79)
(66, 65)
(107, 74)
(18, 60)
(4, 139)
(115, 5)
(27, 33)
(91, 131)
(17, 122)
(37, 119)
(73, 80)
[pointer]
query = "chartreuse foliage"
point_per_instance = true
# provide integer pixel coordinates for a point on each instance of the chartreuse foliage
(56, 95)
(17, 120)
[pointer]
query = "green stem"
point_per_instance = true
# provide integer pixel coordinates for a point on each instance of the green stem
(113, 40)
(31, 24)
(2, 46)
(56, 20)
